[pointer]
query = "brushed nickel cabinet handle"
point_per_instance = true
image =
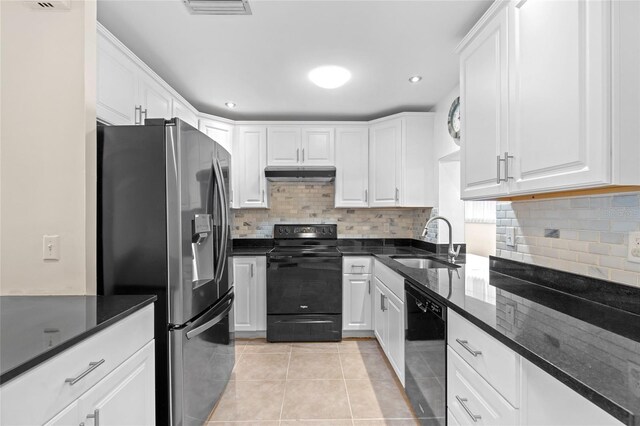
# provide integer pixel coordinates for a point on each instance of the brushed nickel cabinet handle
(298, 155)
(465, 344)
(366, 196)
(303, 155)
(507, 157)
(397, 194)
(251, 268)
(137, 112)
(498, 160)
(462, 401)
(369, 286)
(263, 195)
(95, 416)
(92, 366)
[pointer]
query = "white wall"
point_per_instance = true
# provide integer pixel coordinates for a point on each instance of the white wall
(47, 168)
(449, 203)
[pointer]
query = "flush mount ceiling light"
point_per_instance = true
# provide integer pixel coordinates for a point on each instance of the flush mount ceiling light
(230, 104)
(329, 76)
(415, 79)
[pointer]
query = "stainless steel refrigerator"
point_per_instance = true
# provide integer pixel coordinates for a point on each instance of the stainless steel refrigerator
(163, 228)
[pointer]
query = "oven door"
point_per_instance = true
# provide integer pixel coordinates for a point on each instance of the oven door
(304, 285)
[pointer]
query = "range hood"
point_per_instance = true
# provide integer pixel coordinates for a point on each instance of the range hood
(297, 174)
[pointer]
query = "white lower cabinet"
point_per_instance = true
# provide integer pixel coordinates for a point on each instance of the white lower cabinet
(548, 402)
(388, 308)
(114, 373)
(126, 396)
(471, 399)
(357, 293)
(250, 306)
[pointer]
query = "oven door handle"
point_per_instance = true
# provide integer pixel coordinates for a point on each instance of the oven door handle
(203, 323)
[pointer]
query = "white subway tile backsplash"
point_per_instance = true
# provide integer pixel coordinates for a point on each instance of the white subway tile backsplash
(593, 234)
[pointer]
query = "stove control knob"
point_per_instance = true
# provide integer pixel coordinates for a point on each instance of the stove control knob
(286, 231)
(279, 230)
(324, 231)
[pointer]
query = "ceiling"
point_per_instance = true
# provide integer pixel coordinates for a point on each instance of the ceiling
(261, 61)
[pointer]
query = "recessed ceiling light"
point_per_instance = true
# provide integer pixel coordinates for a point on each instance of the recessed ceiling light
(230, 104)
(329, 76)
(415, 79)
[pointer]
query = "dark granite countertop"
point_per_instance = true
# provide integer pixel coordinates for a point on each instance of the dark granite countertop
(36, 328)
(590, 343)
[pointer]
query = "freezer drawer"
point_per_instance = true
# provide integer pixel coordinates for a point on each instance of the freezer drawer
(202, 357)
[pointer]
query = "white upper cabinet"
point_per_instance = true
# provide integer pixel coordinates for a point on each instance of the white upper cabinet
(218, 131)
(559, 67)
(183, 112)
(352, 167)
(300, 146)
(385, 165)
(401, 161)
(283, 145)
(317, 146)
(484, 108)
(155, 100)
(117, 78)
(547, 91)
(250, 160)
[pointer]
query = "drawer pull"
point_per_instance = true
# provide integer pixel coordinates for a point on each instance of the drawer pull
(95, 416)
(462, 401)
(357, 266)
(465, 344)
(92, 366)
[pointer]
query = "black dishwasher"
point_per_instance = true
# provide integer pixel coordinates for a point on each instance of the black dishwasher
(425, 356)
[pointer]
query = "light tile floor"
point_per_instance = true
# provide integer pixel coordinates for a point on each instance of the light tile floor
(346, 383)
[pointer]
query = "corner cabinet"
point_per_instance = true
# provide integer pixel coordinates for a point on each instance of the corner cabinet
(250, 159)
(541, 95)
(401, 162)
(250, 282)
(119, 389)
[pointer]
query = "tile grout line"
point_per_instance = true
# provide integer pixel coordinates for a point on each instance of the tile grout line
(284, 393)
(344, 382)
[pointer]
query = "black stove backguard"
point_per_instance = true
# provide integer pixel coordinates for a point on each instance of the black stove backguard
(304, 285)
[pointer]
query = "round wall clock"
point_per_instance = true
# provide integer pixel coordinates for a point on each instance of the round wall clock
(454, 120)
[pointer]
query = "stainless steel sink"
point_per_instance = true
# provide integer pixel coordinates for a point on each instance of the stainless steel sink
(423, 262)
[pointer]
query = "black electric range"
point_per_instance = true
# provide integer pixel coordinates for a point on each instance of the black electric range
(304, 284)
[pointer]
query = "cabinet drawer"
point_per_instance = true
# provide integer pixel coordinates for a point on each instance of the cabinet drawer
(469, 395)
(391, 279)
(356, 265)
(499, 365)
(39, 394)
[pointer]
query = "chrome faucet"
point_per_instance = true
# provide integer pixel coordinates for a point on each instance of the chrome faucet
(452, 254)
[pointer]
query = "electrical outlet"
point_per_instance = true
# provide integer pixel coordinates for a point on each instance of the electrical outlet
(51, 247)
(633, 254)
(511, 236)
(511, 313)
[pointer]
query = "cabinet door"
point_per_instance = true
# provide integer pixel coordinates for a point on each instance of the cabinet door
(252, 157)
(68, 417)
(356, 302)
(154, 99)
(245, 307)
(117, 85)
(283, 146)
(126, 396)
(385, 163)
(546, 401)
(219, 132)
(380, 317)
(484, 110)
(395, 337)
(184, 113)
(560, 69)
(317, 147)
(352, 167)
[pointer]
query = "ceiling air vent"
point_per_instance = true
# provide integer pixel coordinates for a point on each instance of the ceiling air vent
(49, 5)
(218, 7)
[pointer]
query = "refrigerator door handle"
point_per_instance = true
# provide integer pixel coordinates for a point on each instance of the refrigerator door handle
(224, 215)
(204, 323)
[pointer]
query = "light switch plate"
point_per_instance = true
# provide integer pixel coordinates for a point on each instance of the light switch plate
(511, 236)
(633, 254)
(51, 247)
